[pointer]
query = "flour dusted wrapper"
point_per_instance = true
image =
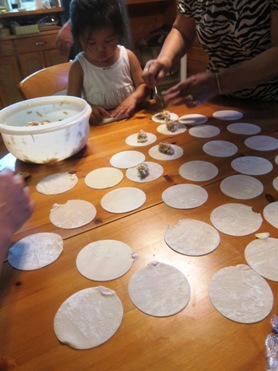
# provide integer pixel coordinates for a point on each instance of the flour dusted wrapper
(240, 294)
(192, 237)
(236, 219)
(159, 289)
(88, 318)
(72, 214)
(35, 251)
(262, 256)
(57, 183)
(105, 260)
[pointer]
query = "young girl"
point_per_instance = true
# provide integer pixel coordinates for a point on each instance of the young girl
(106, 74)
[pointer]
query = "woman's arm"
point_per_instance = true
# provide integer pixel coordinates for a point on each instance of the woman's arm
(177, 43)
(261, 68)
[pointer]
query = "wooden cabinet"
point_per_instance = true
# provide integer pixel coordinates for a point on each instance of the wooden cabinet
(37, 52)
(21, 56)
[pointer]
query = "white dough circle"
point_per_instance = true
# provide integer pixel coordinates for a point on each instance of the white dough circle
(193, 119)
(162, 129)
(243, 128)
(198, 170)
(173, 117)
(236, 219)
(242, 187)
(220, 148)
(276, 159)
(185, 196)
(227, 115)
(57, 183)
(105, 260)
(261, 143)
(155, 171)
(104, 177)
(126, 159)
(159, 290)
(131, 140)
(241, 294)
(123, 200)
(88, 318)
(204, 131)
(262, 256)
(270, 213)
(35, 251)
(157, 155)
(192, 237)
(275, 183)
(252, 165)
(72, 214)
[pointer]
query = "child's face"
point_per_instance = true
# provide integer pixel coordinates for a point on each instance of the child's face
(101, 45)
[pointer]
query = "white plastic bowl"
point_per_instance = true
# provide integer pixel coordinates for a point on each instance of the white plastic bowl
(65, 134)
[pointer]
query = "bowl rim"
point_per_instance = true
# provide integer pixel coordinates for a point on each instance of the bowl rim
(53, 126)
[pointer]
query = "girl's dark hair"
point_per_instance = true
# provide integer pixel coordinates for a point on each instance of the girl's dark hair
(88, 16)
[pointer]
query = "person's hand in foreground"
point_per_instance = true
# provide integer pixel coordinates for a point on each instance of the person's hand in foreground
(15, 208)
(64, 40)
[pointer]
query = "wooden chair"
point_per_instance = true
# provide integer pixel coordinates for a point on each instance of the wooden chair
(47, 81)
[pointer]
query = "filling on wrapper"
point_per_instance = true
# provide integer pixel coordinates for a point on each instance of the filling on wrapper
(171, 126)
(142, 137)
(166, 148)
(165, 115)
(143, 170)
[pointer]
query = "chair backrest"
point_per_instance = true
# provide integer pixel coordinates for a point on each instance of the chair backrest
(47, 81)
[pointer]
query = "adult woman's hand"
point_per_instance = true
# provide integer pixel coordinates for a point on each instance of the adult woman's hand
(194, 90)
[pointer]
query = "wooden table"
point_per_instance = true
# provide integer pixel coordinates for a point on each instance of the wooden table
(197, 338)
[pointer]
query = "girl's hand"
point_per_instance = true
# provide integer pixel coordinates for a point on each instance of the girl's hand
(194, 90)
(125, 108)
(99, 112)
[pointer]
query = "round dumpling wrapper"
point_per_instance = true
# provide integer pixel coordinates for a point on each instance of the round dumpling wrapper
(72, 214)
(57, 183)
(193, 119)
(262, 143)
(131, 140)
(123, 200)
(156, 117)
(35, 251)
(155, 171)
(198, 171)
(243, 187)
(241, 294)
(252, 165)
(220, 148)
(204, 131)
(275, 183)
(162, 129)
(104, 177)
(105, 260)
(243, 128)
(126, 159)
(185, 196)
(88, 318)
(262, 256)
(159, 289)
(227, 115)
(192, 237)
(157, 155)
(236, 219)
(270, 214)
